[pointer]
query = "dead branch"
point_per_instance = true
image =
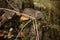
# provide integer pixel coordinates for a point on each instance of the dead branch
(17, 13)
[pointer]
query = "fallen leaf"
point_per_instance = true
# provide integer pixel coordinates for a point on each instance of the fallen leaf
(23, 18)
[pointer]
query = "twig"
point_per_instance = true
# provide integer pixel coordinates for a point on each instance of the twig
(25, 25)
(11, 5)
(23, 28)
(37, 37)
(34, 25)
(18, 13)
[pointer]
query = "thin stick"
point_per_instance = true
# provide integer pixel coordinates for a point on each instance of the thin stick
(37, 37)
(23, 28)
(18, 13)
(11, 5)
(33, 25)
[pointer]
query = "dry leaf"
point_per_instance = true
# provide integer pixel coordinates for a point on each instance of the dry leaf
(23, 18)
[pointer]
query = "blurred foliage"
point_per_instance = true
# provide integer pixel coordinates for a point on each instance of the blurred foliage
(25, 38)
(45, 6)
(50, 5)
